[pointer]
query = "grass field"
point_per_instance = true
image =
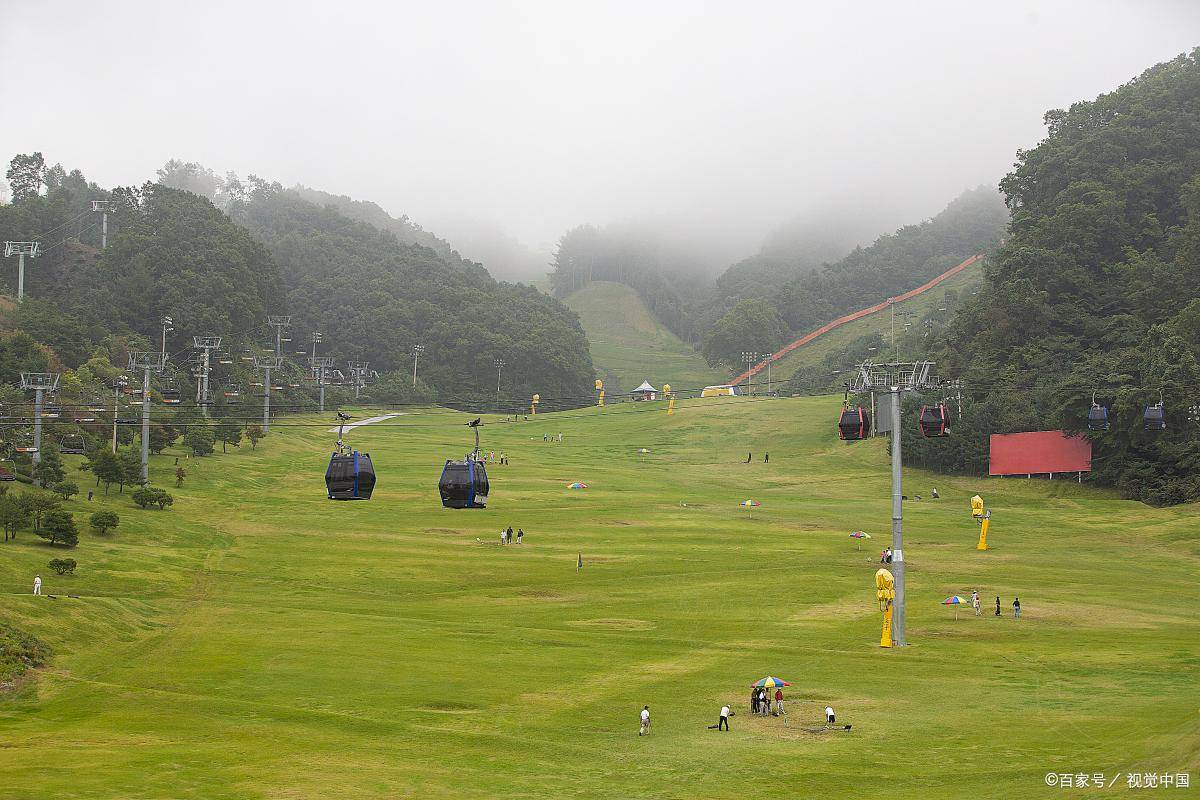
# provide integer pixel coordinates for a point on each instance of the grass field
(627, 341)
(258, 641)
(814, 353)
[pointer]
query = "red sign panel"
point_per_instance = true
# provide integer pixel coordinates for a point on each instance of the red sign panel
(1039, 452)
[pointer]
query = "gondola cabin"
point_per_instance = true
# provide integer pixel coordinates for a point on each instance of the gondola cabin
(854, 424)
(1098, 418)
(934, 420)
(464, 484)
(1154, 418)
(350, 476)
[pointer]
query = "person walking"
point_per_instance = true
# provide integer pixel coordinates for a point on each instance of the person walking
(520, 535)
(829, 718)
(766, 458)
(723, 722)
(778, 702)
(509, 534)
(37, 584)
(503, 536)
(1016, 608)
(645, 729)
(975, 602)
(997, 605)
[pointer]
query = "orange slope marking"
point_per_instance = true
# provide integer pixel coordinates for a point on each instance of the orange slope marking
(865, 312)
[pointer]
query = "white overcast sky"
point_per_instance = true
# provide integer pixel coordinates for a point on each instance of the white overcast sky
(731, 116)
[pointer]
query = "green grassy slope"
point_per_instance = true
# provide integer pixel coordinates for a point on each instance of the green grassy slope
(258, 641)
(629, 343)
(814, 353)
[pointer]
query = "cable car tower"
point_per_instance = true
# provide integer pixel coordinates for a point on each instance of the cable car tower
(39, 383)
(147, 362)
(895, 378)
(266, 364)
(322, 370)
(20, 250)
(103, 207)
(280, 323)
(205, 344)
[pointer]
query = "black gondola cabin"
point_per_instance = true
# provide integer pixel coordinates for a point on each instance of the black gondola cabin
(464, 484)
(934, 420)
(350, 476)
(1098, 418)
(854, 424)
(1154, 418)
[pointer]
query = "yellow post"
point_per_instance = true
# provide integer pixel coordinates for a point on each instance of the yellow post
(885, 593)
(537, 398)
(600, 389)
(670, 398)
(983, 528)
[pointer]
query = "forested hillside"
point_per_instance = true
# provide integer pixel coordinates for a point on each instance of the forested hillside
(1096, 289)
(893, 264)
(375, 297)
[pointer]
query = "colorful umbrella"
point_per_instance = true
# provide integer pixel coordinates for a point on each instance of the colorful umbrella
(956, 601)
(643, 452)
(859, 535)
(577, 485)
(769, 683)
(749, 505)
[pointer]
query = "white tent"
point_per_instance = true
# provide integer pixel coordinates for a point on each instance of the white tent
(645, 392)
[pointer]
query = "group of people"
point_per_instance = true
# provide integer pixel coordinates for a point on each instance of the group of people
(766, 458)
(506, 536)
(760, 701)
(886, 556)
(1016, 604)
(550, 437)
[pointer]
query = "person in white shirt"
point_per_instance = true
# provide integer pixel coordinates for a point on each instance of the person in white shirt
(723, 722)
(645, 729)
(37, 584)
(975, 601)
(829, 715)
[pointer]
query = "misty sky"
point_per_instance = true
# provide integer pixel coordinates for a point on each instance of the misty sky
(536, 116)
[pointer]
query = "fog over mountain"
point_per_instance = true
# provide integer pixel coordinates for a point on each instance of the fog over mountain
(510, 122)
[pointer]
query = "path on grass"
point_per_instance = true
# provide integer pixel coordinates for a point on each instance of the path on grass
(352, 425)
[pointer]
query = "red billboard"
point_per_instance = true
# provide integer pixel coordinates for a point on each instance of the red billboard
(1039, 452)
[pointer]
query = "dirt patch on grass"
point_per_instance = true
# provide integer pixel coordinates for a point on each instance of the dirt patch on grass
(451, 531)
(613, 624)
(837, 610)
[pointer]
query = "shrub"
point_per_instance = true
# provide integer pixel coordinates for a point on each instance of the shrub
(149, 496)
(63, 566)
(67, 489)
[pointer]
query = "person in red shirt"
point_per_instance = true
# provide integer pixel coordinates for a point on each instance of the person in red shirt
(778, 702)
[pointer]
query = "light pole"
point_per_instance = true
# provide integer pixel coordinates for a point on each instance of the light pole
(418, 349)
(750, 358)
(166, 323)
(499, 363)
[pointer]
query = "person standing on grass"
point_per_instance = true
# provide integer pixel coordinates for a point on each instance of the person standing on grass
(645, 729)
(754, 701)
(997, 605)
(723, 722)
(508, 533)
(778, 702)
(1016, 608)
(37, 584)
(764, 705)
(975, 602)
(829, 718)
(520, 535)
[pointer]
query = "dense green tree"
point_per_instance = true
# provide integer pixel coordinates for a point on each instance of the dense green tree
(104, 521)
(200, 438)
(751, 326)
(228, 432)
(26, 175)
(59, 528)
(147, 496)
(129, 463)
(105, 465)
(14, 515)
(49, 471)
(38, 504)
(254, 433)
(64, 566)
(66, 489)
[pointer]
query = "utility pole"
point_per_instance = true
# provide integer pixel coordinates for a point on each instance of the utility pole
(120, 383)
(39, 383)
(266, 364)
(894, 379)
(20, 250)
(750, 358)
(770, 358)
(206, 344)
(103, 206)
(499, 363)
(280, 324)
(418, 349)
(147, 362)
(166, 323)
